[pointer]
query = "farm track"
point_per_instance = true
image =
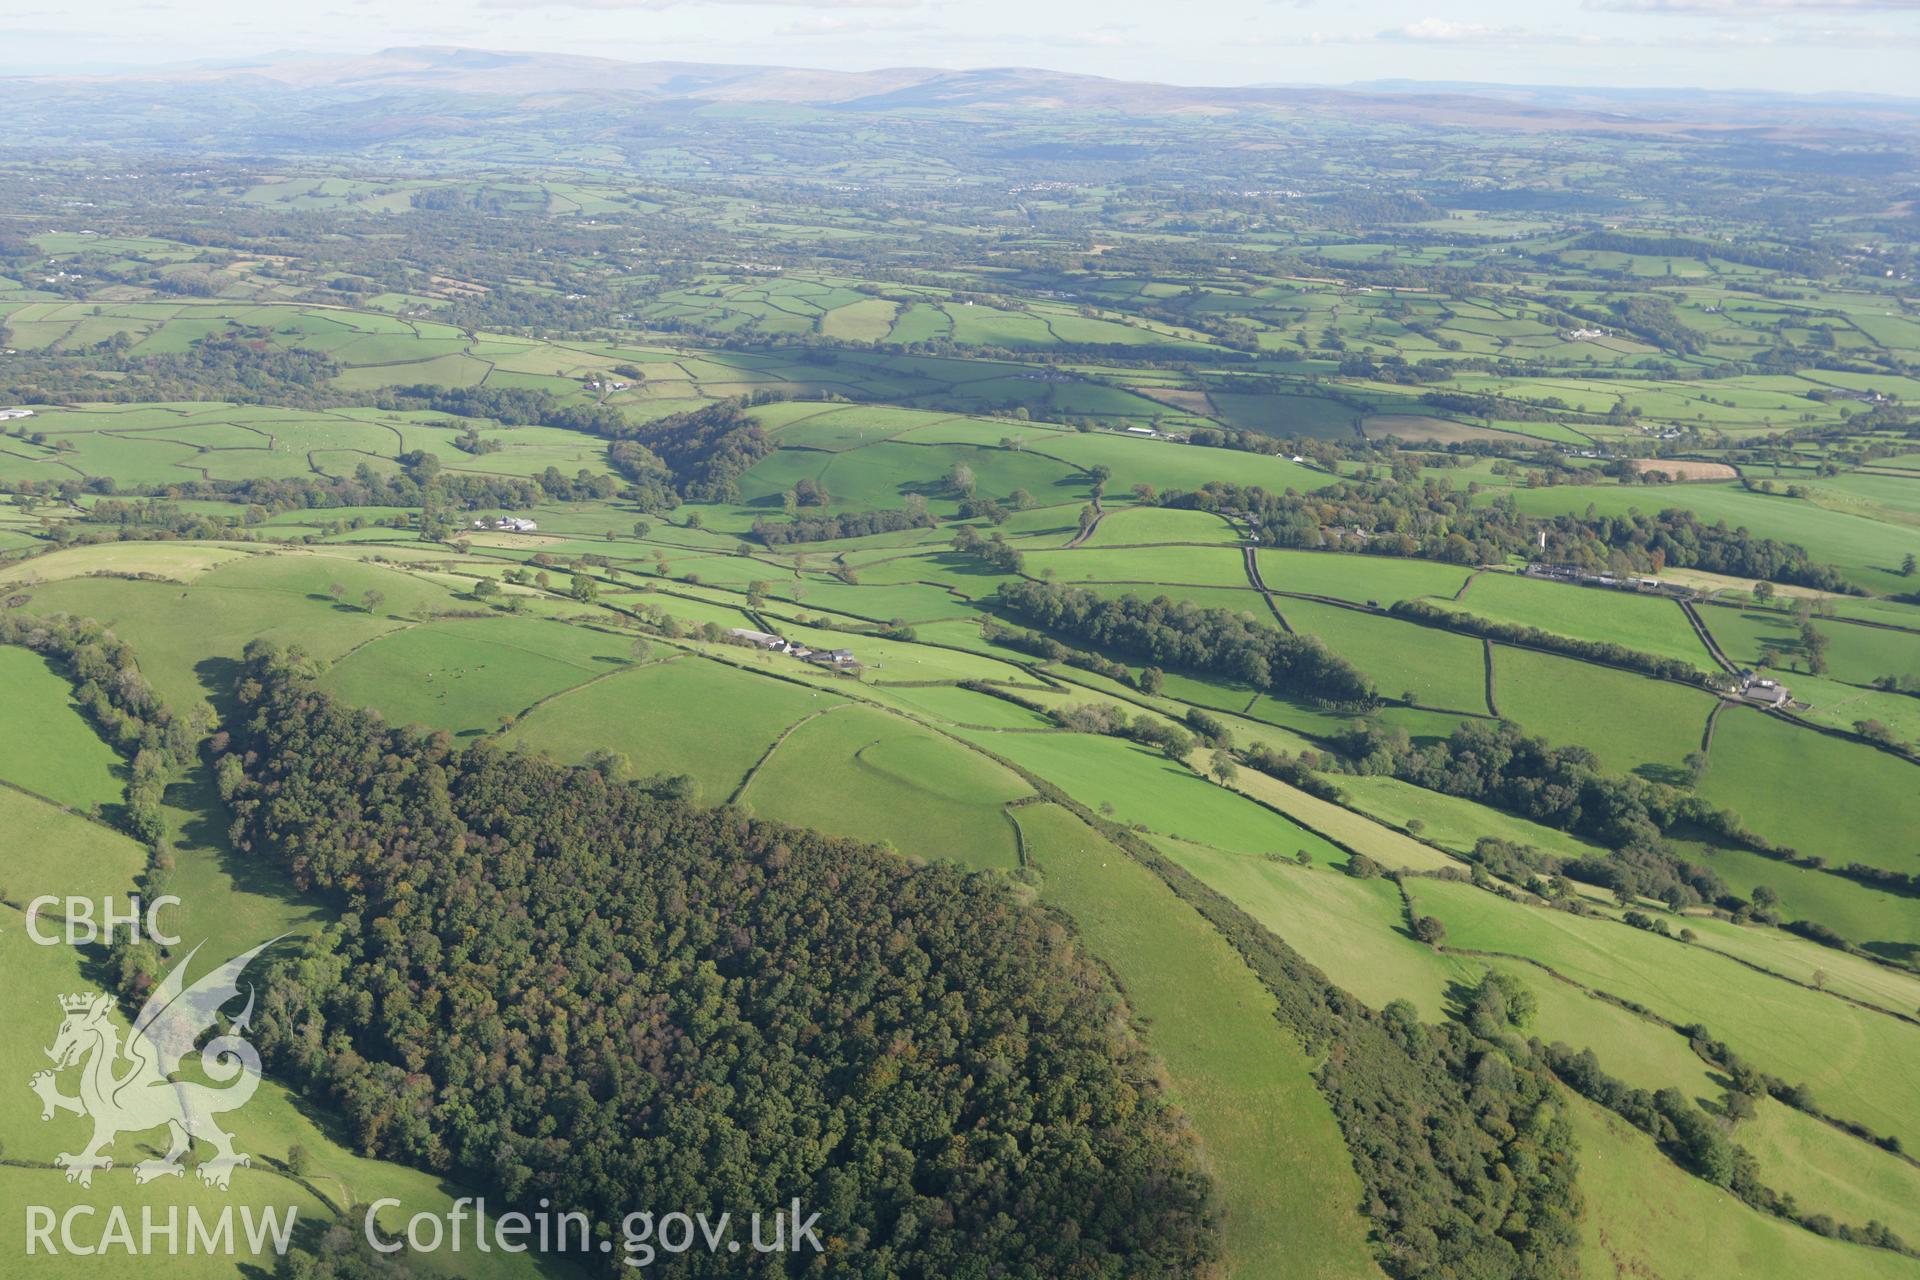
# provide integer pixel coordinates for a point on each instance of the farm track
(1099, 514)
(1259, 584)
(1706, 637)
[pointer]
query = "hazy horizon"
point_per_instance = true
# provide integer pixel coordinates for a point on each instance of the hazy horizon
(1779, 46)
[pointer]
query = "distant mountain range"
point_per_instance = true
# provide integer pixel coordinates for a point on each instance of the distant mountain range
(438, 85)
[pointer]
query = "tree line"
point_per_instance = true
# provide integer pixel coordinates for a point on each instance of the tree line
(1181, 635)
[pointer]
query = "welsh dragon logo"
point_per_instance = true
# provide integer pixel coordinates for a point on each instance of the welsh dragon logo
(127, 1088)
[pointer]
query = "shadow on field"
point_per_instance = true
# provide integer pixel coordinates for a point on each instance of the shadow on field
(218, 676)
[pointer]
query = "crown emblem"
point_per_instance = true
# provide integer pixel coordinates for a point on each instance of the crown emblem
(78, 1002)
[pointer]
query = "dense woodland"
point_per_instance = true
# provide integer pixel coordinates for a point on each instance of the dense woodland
(559, 985)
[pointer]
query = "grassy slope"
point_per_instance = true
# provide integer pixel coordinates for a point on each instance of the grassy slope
(1856, 1061)
(1287, 1185)
(1842, 800)
(863, 773)
(47, 748)
(1647, 1218)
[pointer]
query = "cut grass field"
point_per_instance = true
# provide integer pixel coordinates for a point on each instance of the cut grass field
(49, 748)
(863, 773)
(1287, 1188)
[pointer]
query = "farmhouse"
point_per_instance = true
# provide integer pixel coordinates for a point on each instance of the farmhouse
(1763, 693)
(508, 524)
(838, 659)
(759, 639)
(8, 415)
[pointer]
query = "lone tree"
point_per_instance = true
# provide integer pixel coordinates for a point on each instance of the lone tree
(1909, 565)
(1223, 768)
(373, 599)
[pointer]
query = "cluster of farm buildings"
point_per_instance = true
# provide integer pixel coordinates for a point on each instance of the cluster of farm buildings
(8, 415)
(838, 659)
(508, 524)
(1582, 578)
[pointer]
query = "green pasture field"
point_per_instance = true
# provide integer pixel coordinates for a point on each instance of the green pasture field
(1867, 551)
(1136, 526)
(881, 475)
(1632, 723)
(1144, 787)
(1629, 1047)
(1853, 1059)
(1358, 578)
(1287, 1188)
(1646, 623)
(1856, 654)
(681, 715)
(1150, 565)
(1356, 831)
(1441, 668)
(49, 749)
(1818, 794)
(924, 794)
(186, 636)
(957, 706)
(1881, 921)
(1895, 990)
(51, 850)
(1284, 415)
(1646, 1216)
(1842, 706)
(466, 674)
(1827, 1171)
(1354, 930)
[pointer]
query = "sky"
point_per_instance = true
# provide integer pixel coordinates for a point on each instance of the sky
(1797, 46)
